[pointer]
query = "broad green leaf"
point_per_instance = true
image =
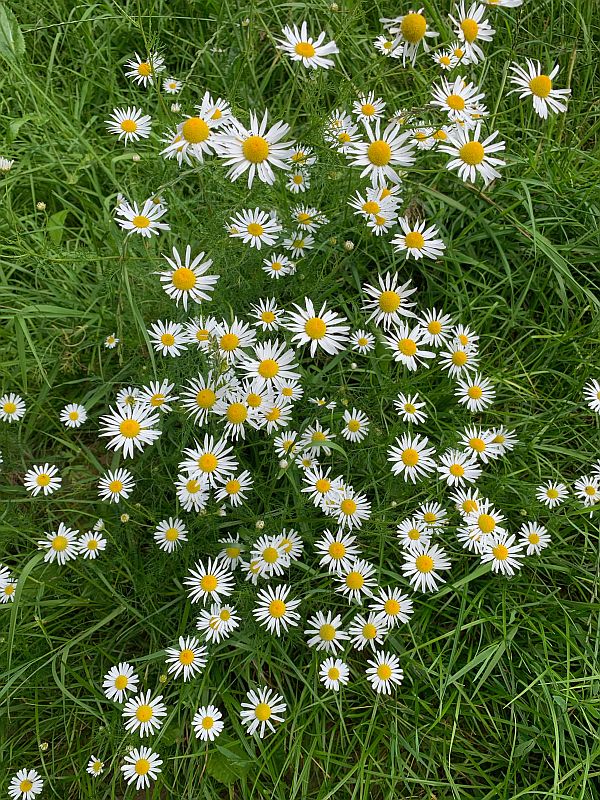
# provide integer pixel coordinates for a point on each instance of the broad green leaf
(12, 44)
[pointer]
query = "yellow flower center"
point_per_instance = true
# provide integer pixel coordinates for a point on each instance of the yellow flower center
(552, 493)
(129, 126)
(9, 407)
(469, 506)
(184, 278)
(590, 491)
(144, 713)
(476, 443)
(268, 368)
(277, 608)
(353, 425)
(470, 29)
(144, 69)
(343, 137)
(157, 400)
(274, 414)
(440, 135)
(130, 428)
(142, 766)
(369, 631)
(167, 339)
(424, 563)
(457, 470)
(140, 221)
(348, 507)
(371, 207)
(407, 347)
(186, 656)
(315, 328)
(195, 130)
(208, 462)
(305, 49)
(323, 485)
(26, 785)
(391, 607)
(209, 583)
(116, 486)
(43, 479)
(254, 229)
(414, 239)
(472, 153)
(327, 632)
(475, 392)
(233, 486)
(192, 486)
(97, 766)
(541, 86)
(268, 317)
(255, 149)
(379, 153)
(254, 400)
(333, 674)
(459, 358)
(486, 523)
(206, 398)
(500, 552)
(337, 550)
(121, 682)
(229, 342)
(445, 60)
(225, 615)
(270, 555)
(434, 327)
(298, 179)
(262, 712)
(534, 538)
(354, 580)
(368, 109)
(384, 672)
(456, 102)
(414, 534)
(409, 408)
(413, 27)
(171, 534)
(389, 301)
(60, 543)
(237, 412)
(207, 723)
(410, 457)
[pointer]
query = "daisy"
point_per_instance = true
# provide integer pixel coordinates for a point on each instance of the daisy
(201, 331)
(471, 28)
(111, 341)
(269, 556)
(191, 493)
(504, 553)
(356, 425)
(384, 672)
(480, 443)
(8, 588)
(130, 429)
(61, 545)
(271, 363)
(388, 46)
(210, 462)
(116, 484)
(301, 47)
(235, 488)
(298, 243)
(142, 714)
(362, 341)
(26, 784)
(418, 241)
(6, 164)
(263, 707)
(459, 99)
(445, 59)
(145, 221)
(185, 280)
(458, 468)
(587, 489)
(357, 581)
(255, 227)
(458, 359)
(382, 153)
(290, 390)
(95, 767)
(298, 181)
(422, 137)
(334, 673)
(169, 534)
(481, 525)
(534, 538)
(551, 493)
(413, 531)
(411, 457)
(130, 124)
(368, 107)
(232, 337)
(409, 408)
(325, 632)
(236, 413)
(433, 515)
(218, 622)
(91, 544)
(201, 395)
(392, 606)
(42, 479)
(591, 394)
(466, 500)
(388, 302)
(143, 71)
(303, 156)
(477, 392)
(157, 395)
(338, 552)
(232, 552)
(120, 680)
(274, 611)
(340, 131)
(381, 223)
(189, 658)
(367, 631)
(350, 509)
(208, 723)
(171, 85)
(168, 338)
(471, 156)
(308, 218)
(208, 583)
(73, 415)
(412, 29)
(422, 565)
(255, 149)
(141, 766)
(267, 314)
(128, 396)
(532, 82)
(276, 266)
(217, 111)
(505, 439)
(12, 407)
(405, 344)
(324, 329)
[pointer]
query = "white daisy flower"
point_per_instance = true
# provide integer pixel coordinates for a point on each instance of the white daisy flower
(413, 31)
(480, 443)
(130, 124)
(471, 156)
(362, 341)
(471, 28)
(91, 544)
(411, 457)
(143, 714)
(299, 46)
(367, 630)
(591, 394)
(334, 673)
(169, 534)
(418, 241)
(505, 439)
(532, 82)
(208, 583)
(409, 408)
(171, 85)
(189, 658)
(384, 672)
(157, 395)
(116, 484)
(95, 767)
(458, 99)
(42, 479)
(382, 153)
(255, 227)
(350, 509)
(267, 314)
(201, 395)
(552, 493)
(111, 341)
(534, 538)
(218, 622)
(263, 708)
(235, 488)
(141, 766)
(405, 344)
(458, 468)
(587, 489)
(185, 280)
(168, 338)
(357, 581)
(476, 392)
(211, 462)
(338, 551)
(208, 723)
(388, 302)
(356, 425)
(130, 429)
(298, 181)
(143, 71)
(422, 565)
(145, 221)
(504, 553)
(298, 243)
(25, 785)
(411, 532)
(325, 632)
(390, 47)
(274, 611)
(458, 359)
(277, 265)
(12, 407)
(271, 363)
(325, 329)
(61, 544)
(120, 680)
(73, 415)
(392, 605)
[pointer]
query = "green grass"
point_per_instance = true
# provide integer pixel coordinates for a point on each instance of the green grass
(501, 695)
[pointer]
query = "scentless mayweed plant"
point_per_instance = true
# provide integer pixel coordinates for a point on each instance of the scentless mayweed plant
(300, 398)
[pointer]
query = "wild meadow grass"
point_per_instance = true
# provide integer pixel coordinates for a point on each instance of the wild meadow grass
(501, 689)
